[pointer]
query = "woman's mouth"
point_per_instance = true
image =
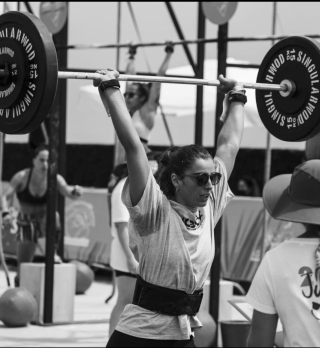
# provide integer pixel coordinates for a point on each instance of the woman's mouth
(205, 196)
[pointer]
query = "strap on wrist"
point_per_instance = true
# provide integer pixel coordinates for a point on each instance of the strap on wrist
(108, 84)
(237, 97)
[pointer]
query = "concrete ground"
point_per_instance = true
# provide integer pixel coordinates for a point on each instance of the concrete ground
(88, 307)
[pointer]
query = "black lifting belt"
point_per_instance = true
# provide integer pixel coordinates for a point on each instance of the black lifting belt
(164, 300)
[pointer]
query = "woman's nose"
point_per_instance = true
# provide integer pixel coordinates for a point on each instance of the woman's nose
(209, 185)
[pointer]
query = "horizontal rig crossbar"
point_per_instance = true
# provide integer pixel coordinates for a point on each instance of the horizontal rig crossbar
(179, 42)
(161, 79)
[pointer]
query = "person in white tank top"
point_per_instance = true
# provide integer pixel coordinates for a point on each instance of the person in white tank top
(142, 101)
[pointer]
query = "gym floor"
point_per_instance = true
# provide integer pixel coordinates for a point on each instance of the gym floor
(88, 307)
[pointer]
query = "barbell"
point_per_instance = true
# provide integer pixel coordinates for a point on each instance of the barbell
(287, 86)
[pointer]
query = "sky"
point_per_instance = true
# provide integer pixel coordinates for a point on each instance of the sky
(96, 22)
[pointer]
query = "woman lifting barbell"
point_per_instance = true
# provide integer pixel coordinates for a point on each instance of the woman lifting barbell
(172, 221)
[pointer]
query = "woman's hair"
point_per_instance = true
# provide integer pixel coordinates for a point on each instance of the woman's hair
(177, 160)
(143, 89)
(38, 149)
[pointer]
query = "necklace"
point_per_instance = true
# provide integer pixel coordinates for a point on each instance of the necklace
(198, 215)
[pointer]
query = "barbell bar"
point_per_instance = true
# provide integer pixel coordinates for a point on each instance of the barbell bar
(287, 86)
(176, 80)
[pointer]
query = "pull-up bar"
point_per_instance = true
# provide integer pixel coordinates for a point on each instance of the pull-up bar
(179, 42)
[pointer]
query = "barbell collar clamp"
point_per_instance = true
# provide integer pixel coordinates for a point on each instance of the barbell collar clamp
(291, 88)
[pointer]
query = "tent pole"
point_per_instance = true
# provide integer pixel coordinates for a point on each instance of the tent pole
(200, 73)
(216, 266)
(267, 163)
(118, 35)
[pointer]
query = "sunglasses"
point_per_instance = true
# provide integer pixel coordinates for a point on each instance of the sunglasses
(129, 95)
(203, 178)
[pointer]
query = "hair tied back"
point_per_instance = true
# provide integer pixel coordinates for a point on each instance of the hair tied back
(167, 155)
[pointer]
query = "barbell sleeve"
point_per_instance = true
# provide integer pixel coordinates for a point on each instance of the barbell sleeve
(264, 86)
(177, 80)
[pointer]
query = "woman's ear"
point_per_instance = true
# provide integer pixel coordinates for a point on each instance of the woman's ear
(175, 181)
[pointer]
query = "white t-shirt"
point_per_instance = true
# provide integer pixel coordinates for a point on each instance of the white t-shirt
(285, 284)
(176, 250)
(119, 213)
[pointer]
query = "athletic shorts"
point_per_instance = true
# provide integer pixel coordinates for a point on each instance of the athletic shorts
(31, 227)
(119, 339)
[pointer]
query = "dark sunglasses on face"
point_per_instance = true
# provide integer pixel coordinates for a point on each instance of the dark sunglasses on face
(129, 95)
(203, 178)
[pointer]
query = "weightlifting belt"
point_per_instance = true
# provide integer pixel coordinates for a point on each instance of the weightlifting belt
(164, 300)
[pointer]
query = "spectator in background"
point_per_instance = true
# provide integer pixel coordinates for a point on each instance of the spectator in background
(248, 186)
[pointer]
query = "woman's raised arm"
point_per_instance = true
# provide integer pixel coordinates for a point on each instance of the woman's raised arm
(230, 136)
(137, 160)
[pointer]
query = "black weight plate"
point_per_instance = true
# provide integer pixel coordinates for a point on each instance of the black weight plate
(11, 90)
(36, 75)
(297, 117)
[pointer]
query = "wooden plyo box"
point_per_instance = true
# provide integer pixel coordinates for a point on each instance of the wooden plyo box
(32, 277)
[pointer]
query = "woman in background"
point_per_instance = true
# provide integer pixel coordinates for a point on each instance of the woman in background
(31, 188)
(142, 101)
